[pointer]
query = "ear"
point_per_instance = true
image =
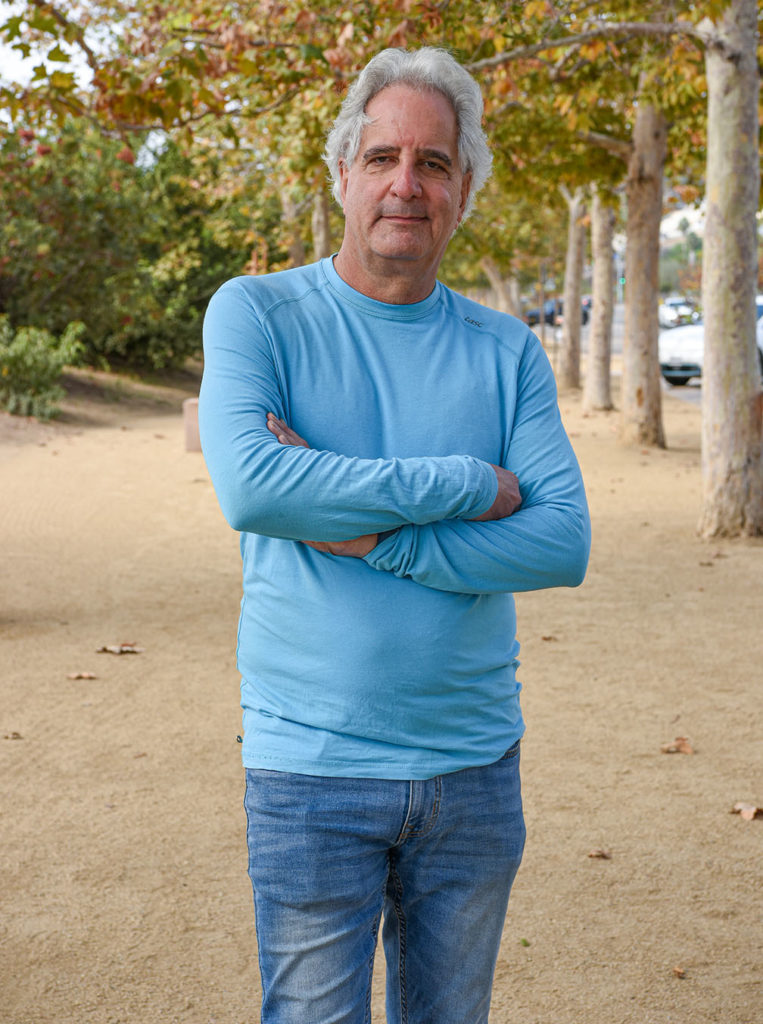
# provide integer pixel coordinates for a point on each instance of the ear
(466, 187)
(344, 172)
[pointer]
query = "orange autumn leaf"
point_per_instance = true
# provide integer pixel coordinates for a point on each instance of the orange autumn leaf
(680, 745)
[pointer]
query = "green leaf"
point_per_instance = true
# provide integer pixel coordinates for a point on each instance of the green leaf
(59, 55)
(12, 28)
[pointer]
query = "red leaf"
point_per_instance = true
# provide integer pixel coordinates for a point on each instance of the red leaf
(680, 745)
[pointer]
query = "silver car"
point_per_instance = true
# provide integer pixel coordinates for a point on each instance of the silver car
(682, 349)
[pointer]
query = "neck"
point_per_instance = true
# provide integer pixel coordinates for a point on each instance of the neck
(393, 281)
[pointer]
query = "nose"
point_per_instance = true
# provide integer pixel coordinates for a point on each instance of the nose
(406, 184)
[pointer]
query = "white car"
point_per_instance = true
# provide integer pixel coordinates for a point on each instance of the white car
(682, 349)
(676, 310)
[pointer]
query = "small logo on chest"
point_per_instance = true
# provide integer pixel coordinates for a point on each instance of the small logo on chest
(477, 323)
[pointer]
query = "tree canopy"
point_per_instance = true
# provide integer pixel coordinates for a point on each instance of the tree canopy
(237, 97)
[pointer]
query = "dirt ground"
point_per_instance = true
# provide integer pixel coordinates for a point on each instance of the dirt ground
(124, 895)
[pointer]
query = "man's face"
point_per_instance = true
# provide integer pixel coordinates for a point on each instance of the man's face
(404, 194)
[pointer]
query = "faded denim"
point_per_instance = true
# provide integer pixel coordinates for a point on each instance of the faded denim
(328, 855)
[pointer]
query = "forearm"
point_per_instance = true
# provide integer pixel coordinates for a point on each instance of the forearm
(301, 494)
(533, 549)
(295, 493)
(544, 544)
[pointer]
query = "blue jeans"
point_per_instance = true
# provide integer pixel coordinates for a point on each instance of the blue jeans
(328, 855)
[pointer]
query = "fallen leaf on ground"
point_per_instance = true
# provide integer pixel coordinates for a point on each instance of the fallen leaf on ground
(81, 675)
(680, 745)
(600, 854)
(130, 648)
(548, 638)
(747, 811)
(679, 972)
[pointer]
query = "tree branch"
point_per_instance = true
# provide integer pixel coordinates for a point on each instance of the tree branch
(621, 29)
(618, 147)
(64, 22)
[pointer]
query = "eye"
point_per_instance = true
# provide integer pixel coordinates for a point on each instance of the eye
(378, 160)
(435, 167)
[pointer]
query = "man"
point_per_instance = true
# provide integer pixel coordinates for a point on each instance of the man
(393, 456)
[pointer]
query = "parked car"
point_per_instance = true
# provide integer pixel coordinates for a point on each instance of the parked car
(552, 308)
(676, 310)
(682, 349)
(553, 311)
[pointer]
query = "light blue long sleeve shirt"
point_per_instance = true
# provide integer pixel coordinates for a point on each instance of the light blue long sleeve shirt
(402, 664)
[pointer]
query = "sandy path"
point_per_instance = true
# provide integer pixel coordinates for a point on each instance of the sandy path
(124, 894)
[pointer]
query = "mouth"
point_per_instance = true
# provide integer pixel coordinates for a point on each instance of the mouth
(403, 218)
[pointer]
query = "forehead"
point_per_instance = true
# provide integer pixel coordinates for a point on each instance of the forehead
(402, 115)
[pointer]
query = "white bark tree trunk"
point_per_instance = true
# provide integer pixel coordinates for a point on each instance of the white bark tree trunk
(321, 225)
(505, 290)
(597, 392)
(291, 218)
(569, 363)
(732, 472)
(641, 396)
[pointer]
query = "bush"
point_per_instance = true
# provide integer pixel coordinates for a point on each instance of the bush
(31, 362)
(147, 243)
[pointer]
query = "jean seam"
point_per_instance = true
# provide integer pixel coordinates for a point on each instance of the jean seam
(400, 916)
(369, 990)
(249, 865)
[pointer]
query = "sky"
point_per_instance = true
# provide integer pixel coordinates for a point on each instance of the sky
(12, 67)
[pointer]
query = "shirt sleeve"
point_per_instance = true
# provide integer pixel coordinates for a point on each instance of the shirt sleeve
(545, 543)
(299, 493)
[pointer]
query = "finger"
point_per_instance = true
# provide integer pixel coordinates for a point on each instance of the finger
(283, 432)
(274, 425)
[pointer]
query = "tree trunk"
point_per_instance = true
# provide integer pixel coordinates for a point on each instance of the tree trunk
(569, 369)
(291, 218)
(641, 395)
(505, 290)
(321, 225)
(732, 472)
(597, 392)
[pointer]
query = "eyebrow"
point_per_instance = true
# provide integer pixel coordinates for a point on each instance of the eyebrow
(428, 154)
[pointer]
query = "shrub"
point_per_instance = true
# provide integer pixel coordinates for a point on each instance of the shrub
(31, 362)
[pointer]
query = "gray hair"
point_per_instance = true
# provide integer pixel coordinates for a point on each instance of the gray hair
(428, 68)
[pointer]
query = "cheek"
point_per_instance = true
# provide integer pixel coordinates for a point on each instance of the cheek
(450, 204)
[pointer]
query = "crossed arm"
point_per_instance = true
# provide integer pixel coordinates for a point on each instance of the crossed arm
(456, 520)
(507, 498)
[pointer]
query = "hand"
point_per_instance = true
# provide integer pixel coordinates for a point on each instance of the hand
(507, 500)
(284, 433)
(358, 547)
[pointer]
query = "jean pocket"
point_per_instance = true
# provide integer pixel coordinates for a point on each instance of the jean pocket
(512, 751)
